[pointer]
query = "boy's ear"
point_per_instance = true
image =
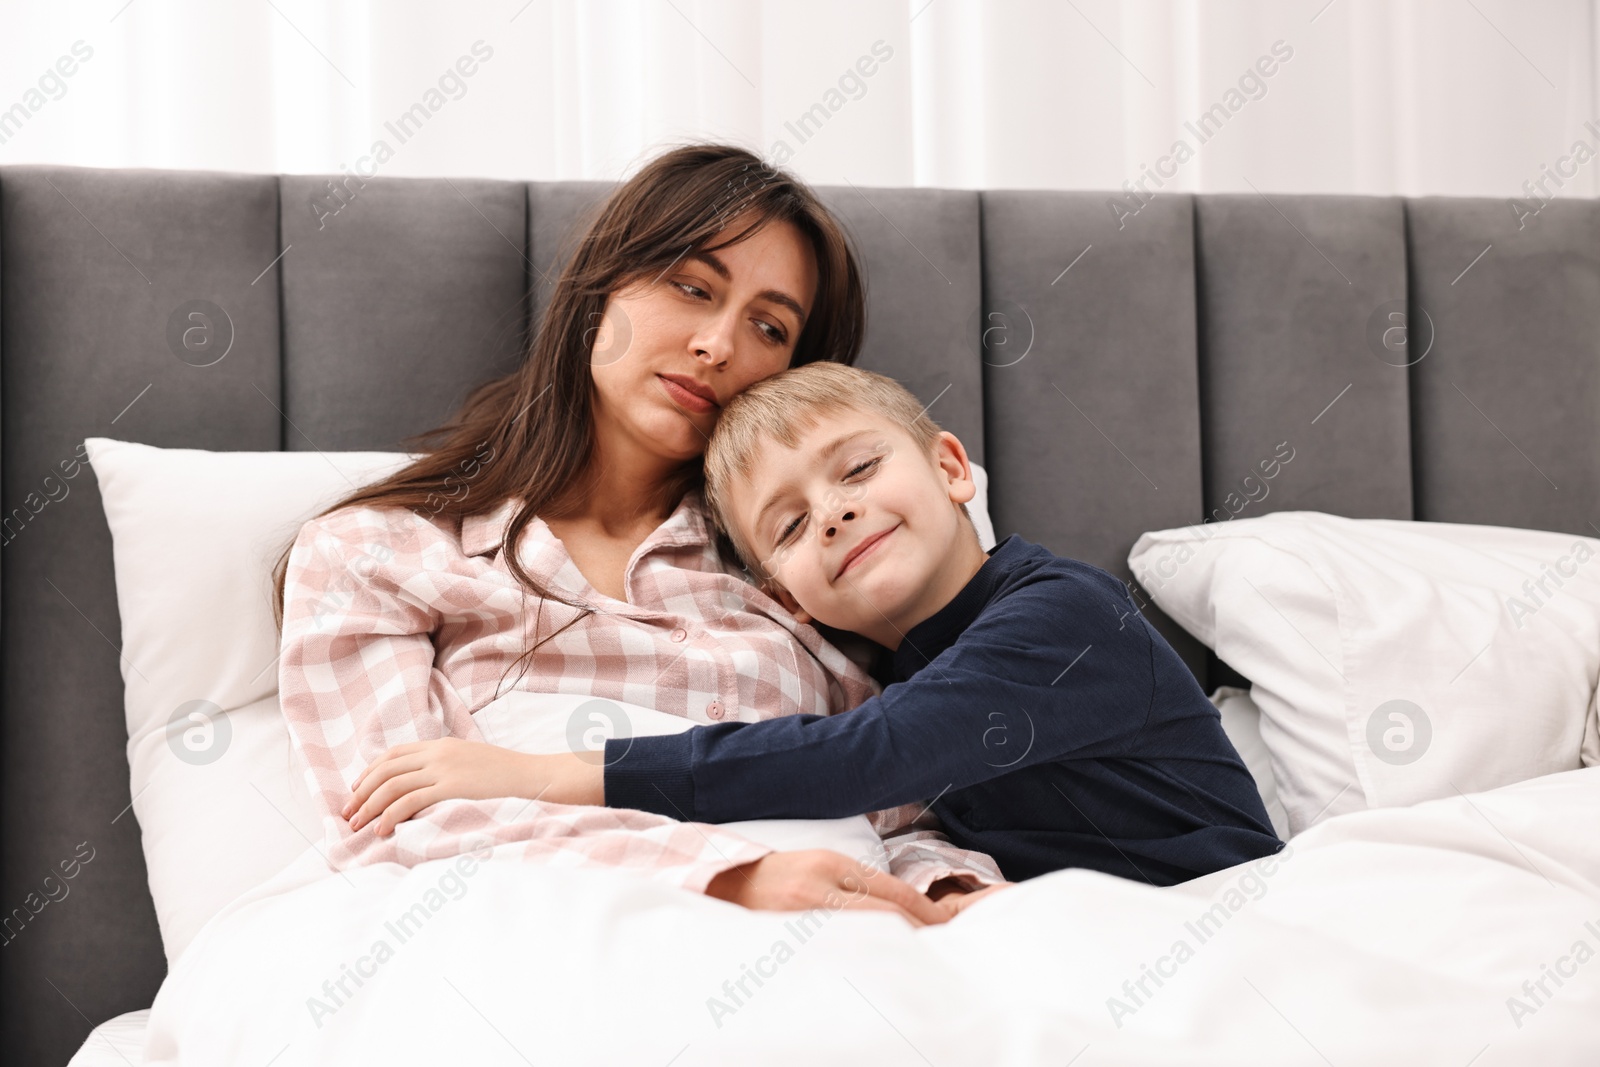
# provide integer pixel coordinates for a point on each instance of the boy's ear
(792, 606)
(951, 457)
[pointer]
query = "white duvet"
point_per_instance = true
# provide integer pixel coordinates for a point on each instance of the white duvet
(1459, 931)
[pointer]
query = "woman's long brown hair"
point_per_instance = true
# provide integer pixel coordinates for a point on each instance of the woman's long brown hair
(535, 425)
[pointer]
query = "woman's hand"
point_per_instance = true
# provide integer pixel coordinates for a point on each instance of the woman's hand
(820, 878)
(409, 777)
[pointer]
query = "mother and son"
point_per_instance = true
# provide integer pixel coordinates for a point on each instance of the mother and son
(691, 500)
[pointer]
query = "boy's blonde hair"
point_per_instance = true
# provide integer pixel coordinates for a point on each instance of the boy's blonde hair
(778, 408)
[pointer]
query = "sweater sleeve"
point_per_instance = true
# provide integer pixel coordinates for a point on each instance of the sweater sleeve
(1046, 672)
(364, 590)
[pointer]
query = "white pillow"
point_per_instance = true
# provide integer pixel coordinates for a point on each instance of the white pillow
(194, 537)
(978, 508)
(1241, 721)
(1206, 579)
(1393, 661)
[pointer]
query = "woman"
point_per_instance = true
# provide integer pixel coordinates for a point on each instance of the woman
(403, 605)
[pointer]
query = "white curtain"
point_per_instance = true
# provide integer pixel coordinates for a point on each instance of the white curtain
(1411, 97)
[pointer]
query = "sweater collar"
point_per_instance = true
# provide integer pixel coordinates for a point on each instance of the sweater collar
(924, 641)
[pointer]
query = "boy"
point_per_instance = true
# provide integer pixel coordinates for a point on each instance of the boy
(1051, 725)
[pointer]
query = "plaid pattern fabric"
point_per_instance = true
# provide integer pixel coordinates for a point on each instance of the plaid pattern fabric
(397, 629)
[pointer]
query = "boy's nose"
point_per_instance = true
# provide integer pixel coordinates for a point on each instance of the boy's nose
(833, 528)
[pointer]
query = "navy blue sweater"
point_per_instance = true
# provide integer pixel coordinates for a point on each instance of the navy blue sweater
(1051, 723)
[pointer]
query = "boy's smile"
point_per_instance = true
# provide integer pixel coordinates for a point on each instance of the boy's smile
(863, 548)
(860, 525)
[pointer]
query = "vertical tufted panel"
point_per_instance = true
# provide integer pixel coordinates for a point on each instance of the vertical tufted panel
(1089, 376)
(103, 268)
(1507, 404)
(1287, 289)
(920, 250)
(559, 213)
(397, 303)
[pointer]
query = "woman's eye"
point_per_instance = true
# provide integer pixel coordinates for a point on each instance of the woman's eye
(772, 333)
(688, 290)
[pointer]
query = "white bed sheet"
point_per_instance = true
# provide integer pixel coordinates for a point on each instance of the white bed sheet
(1386, 936)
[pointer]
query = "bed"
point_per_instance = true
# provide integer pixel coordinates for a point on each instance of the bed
(1119, 383)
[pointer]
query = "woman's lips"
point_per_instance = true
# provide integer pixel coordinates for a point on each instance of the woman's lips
(684, 398)
(865, 549)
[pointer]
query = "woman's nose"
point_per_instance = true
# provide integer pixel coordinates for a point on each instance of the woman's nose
(713, 342)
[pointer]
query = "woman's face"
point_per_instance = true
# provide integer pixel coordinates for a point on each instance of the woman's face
(672, 349)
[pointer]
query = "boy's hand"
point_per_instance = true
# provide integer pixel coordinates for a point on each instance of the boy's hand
(410, 777)
(564, 778)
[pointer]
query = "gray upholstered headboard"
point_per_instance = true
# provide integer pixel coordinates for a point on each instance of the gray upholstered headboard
(1134, 376)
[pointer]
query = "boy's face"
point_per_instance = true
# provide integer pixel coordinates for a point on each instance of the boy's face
(860, 525)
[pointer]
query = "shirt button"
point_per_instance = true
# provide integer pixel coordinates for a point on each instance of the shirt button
(714, 709)
(679, 634)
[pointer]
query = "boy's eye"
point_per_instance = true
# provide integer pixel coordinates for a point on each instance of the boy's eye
(864, 465)
(783, 535)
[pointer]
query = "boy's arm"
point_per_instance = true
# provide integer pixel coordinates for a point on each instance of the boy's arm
(1051, 672)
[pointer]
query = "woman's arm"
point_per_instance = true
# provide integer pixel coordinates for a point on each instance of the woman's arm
(363, 594)
(920, 854)
(357, 678)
